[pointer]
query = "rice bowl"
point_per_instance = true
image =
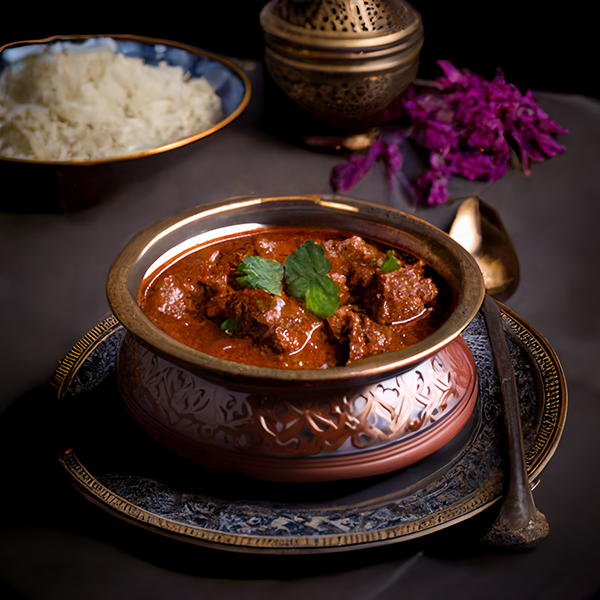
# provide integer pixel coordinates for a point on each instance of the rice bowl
(99, 98)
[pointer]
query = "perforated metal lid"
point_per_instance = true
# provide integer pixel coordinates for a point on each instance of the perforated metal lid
(345, 16)
(340, 24)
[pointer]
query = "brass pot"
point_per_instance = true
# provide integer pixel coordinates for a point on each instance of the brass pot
(342, 60)
(372, 416)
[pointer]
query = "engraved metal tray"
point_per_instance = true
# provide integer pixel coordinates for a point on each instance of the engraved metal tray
(120, 468)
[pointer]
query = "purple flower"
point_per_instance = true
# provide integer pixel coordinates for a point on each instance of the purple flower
(432, 185)
(468, 124)
(344, 177)
(393, 161)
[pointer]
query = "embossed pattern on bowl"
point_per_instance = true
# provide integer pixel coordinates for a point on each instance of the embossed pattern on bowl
(345, 432)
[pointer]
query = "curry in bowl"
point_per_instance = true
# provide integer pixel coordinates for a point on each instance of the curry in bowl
(303, 338)
(296, 298)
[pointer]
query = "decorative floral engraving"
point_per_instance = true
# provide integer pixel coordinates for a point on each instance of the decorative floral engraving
(329, 420)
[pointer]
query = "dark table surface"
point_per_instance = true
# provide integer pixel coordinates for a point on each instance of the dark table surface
(55, 544)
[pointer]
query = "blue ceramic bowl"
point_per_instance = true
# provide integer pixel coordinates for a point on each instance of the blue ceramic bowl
(228, 80)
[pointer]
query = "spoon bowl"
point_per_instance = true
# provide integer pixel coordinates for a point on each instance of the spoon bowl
(479, 229)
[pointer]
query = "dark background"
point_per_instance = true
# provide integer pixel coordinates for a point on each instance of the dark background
(539, 45)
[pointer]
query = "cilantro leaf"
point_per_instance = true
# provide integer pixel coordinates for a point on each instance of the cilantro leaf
(390, 263)
(306, 272)
(263, 273)
(228, 325)
(322, 298)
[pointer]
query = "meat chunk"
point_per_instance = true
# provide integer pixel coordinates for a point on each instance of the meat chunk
(399, 297)
(216, 284)
(280, 322)
(174, 296)
(365, 336)
(353, 259)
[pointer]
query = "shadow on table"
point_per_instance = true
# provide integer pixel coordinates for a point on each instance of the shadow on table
(29, 188)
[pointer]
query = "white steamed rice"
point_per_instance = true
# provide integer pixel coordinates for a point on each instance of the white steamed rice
(98, 104)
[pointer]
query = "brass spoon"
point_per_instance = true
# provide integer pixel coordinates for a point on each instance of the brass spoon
(478, 227)
(519, 524)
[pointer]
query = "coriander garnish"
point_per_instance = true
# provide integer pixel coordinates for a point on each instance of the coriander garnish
(228, 325)
(263, 273)
(390, 263)
(306, 272)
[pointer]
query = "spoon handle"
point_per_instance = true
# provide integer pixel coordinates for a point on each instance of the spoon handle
(519, 526)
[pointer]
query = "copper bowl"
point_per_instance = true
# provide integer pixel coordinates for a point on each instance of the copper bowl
(373, 416)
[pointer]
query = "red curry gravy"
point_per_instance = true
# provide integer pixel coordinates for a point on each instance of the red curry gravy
(378, 312)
